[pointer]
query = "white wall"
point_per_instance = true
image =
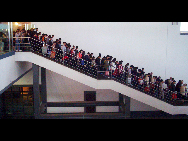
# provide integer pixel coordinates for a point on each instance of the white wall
(61, 89)
(156, 46)
(10, 70)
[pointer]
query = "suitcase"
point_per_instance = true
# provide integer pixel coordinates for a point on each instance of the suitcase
(174, 96)
(44, 50)
(146, 89)
(107, 73)
(52, 54)
(65, 58)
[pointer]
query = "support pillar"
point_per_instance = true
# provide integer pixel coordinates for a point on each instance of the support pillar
(36, 91)
(124, 106)
(121, 106)
(127, 102)
(43, 87)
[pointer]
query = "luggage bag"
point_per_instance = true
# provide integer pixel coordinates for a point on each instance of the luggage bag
(44, 50)
(52, 54)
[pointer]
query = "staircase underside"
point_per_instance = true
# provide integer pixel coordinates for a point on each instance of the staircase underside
(100, 84)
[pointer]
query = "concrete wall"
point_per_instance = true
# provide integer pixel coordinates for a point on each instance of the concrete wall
(61, 88)
(10, 70)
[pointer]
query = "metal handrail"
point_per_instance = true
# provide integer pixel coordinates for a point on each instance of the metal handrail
(155, 92)
(21, 37)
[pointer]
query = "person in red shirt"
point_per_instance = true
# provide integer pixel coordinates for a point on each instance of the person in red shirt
(79, 56)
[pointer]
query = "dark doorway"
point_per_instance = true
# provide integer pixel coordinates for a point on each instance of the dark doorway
(18, 102)
(90, 96)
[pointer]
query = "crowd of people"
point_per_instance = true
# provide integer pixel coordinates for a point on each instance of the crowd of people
(21, 42)
(108, 68)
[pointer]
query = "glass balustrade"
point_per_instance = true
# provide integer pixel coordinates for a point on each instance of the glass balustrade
(138, 82)
(9, 41)
(4, 37)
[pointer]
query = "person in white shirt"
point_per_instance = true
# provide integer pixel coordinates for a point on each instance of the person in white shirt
(162, 86)
(17, 44)
(63, 48)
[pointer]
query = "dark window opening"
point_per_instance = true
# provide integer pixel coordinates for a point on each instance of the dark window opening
(90, 96)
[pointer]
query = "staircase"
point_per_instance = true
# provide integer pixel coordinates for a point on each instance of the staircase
(77, 74)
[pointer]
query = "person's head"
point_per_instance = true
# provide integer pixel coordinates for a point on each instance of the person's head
(114, 60)
(154, 78)
(179, 81)
(174, 82)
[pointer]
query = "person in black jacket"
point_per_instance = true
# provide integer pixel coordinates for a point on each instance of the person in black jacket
(173, 87)
(177, 88)
(58, 51)
(98, 62)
